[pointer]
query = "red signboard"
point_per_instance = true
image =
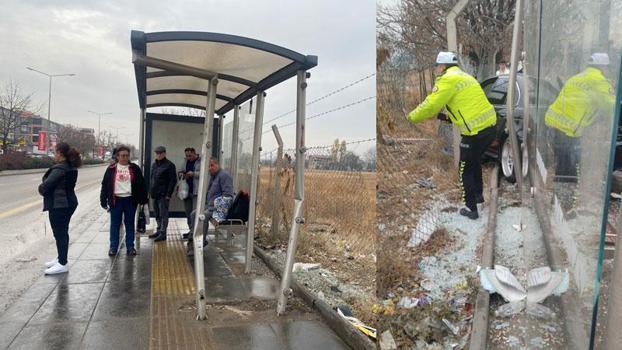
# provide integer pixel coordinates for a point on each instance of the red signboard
(42, 141)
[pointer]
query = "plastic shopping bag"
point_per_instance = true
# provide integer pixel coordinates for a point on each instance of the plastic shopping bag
(182, 188)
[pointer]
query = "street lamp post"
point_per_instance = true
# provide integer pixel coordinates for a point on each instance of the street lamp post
(99, 124)
(50, 76)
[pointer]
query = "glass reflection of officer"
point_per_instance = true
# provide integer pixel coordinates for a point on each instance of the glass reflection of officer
(583, 98)
(471, 112)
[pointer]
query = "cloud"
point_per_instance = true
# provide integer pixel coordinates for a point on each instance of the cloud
(91, 39)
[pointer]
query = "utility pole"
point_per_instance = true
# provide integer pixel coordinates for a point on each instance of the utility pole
(99, 124)
(50, 76)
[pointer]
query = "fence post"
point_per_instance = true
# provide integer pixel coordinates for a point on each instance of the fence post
(276, 195)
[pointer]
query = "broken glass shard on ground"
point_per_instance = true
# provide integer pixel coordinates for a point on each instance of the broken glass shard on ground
(541, 282)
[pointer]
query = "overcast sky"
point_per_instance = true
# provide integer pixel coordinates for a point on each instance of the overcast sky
(92, 40)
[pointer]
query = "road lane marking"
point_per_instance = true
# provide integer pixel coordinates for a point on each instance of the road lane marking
(27, 206)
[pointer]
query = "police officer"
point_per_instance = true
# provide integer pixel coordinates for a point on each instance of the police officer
(468, 109)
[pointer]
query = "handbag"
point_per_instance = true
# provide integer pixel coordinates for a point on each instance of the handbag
(182, 187)
(141, 223)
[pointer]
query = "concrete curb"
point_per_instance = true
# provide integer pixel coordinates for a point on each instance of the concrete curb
(41, 170)
(350, 335)
(479, 328)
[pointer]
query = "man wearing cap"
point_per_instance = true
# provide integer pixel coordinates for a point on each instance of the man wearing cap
(162, 184)
(469, 109)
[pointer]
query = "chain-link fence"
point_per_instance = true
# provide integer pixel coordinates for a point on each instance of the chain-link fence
(340, 190)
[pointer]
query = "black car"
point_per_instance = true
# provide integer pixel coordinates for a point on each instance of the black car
(496, 89)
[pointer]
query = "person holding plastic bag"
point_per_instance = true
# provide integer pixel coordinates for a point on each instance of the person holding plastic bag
(60, 201)
(123, 189)
(190, 171)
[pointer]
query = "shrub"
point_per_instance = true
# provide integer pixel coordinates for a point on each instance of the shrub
(19, 160)
(37, 163)
(89, 161)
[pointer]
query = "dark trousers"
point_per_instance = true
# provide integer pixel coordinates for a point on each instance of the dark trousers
(59, 220)
(471, 150)
(161, 213)
(190, 204)
(567, 153)
(208, 215)
(123, 209)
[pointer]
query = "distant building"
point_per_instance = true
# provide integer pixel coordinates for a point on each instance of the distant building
(25, 136)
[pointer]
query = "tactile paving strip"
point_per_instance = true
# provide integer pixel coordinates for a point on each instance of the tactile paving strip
(173, 324)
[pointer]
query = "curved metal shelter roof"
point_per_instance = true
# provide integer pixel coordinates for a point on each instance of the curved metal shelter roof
(174, 68)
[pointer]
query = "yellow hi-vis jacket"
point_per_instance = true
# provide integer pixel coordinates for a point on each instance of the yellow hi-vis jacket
(582, 98)
(465, 100)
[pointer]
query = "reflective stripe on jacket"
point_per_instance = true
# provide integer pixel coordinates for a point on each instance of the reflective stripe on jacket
(583, 97)
(465, 100)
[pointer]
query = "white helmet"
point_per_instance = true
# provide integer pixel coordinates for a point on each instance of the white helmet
(598, 59)
(446, 57)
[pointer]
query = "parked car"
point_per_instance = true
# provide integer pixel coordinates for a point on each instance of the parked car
(496, 89)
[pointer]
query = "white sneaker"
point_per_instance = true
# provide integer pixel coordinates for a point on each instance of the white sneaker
(51, 262)
(56, 269)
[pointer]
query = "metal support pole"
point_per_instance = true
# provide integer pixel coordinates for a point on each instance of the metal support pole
(613, 336)
(200, 219)
(141, 160)
(221, 129)
(276, 196)
(299, 192)
(516, 153)
(452, 45)
(234, 146)
(141, 138)
(250, 236)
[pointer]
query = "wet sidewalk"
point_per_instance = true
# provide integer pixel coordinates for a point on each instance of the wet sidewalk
(148, 301)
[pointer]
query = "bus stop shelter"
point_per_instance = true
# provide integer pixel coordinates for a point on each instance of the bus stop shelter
(217, 73)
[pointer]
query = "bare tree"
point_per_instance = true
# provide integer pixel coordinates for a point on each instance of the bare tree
(418, 26)
(83, 142)
(13, 102)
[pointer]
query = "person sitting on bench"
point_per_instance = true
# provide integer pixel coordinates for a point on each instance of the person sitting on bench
(219, 193)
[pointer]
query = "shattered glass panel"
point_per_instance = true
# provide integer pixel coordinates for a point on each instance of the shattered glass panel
(572, 61)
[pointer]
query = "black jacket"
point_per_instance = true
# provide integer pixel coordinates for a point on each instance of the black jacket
(139, 189)
(163, 179)
(58, 187)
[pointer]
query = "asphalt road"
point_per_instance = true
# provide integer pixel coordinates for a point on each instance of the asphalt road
(27, 240)
(19, 192)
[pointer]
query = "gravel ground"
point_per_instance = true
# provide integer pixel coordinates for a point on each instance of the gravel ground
(325, 284)
(520, 252)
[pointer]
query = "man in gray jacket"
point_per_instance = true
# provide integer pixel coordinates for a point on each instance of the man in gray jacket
(220, 186)
(191, 169)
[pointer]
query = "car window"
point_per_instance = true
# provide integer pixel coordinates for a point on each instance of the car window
(496, 90)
